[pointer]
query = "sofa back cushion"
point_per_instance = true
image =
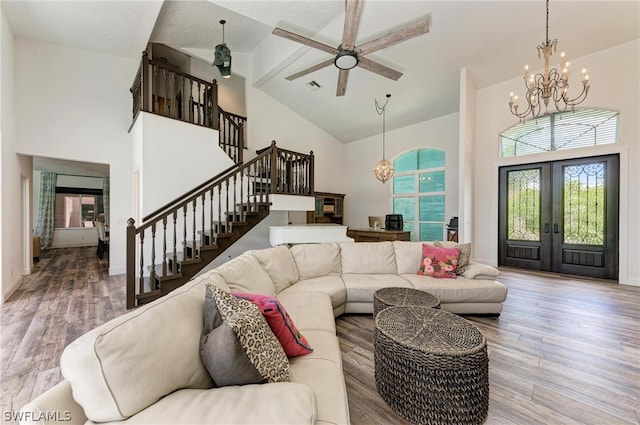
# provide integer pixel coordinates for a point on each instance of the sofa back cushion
(315, 260)
(408, 256)
(368, 258)
(279, 265)
(130, 362)
(245, 274)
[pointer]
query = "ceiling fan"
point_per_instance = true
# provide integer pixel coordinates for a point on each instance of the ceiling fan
(347, 54)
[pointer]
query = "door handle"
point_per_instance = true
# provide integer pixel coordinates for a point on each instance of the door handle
(555, 227)
(546, 227)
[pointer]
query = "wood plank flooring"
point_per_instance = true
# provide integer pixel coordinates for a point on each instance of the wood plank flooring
(564, 350)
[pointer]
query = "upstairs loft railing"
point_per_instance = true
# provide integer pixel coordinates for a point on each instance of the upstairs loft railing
(160, 89)
(176, 241)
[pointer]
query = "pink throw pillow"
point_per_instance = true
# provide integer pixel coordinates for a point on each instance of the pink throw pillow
(292, 341)
(438, 262)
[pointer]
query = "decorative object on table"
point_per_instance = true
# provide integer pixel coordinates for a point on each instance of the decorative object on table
(393, 222)
(383, 169)
(431, 366)
(452, 230)
(402, 297)
(222, 56)
(551, 84)
(347, 56)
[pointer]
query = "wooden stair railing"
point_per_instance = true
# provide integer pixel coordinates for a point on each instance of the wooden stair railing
(181, 238)
(160, 89)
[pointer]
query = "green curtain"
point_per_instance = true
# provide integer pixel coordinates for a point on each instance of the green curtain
(47, 208)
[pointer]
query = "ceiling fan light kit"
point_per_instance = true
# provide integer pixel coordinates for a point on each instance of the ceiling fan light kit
(346, 60)
(347, 56)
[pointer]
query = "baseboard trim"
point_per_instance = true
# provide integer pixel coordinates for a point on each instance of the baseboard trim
(6, 293)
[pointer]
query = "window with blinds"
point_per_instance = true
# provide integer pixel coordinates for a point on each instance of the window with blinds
(558, 131)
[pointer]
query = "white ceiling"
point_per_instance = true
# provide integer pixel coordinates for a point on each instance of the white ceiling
(492, 39)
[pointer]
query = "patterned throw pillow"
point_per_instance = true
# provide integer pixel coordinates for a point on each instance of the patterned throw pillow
(292, 341)
(438, 262)
(237, 345)
(465, 255)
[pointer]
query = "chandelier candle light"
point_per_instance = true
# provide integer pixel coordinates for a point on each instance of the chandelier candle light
(383, 169)
(551, 84)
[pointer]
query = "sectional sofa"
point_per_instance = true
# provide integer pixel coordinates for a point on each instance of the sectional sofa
(145, 366)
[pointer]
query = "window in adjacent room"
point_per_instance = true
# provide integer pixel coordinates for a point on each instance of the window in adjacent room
(418, 193)
(77, 207)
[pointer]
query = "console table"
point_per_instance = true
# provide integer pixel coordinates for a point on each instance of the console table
(368, 235)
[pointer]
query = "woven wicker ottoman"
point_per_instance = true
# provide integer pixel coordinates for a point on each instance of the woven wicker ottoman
(397, 297)
(431, 366)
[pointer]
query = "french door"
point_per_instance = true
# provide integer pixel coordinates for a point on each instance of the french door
(561, 216)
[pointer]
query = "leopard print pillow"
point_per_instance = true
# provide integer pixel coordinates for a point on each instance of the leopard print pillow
(238, 346)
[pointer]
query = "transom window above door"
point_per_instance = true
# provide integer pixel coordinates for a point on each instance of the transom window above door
(418, 193)
(560, 131)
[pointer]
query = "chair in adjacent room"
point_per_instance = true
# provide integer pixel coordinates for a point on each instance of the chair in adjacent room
(103, 239)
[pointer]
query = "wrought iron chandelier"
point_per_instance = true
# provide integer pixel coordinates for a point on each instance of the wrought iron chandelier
(222, 56)
(549, 85)
(383, 169)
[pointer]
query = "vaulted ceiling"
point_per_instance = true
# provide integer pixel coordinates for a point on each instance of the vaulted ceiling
(491, 39)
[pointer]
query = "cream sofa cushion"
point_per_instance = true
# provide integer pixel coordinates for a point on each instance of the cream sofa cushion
(460, 289)
(130, 362)
(245, 274)
(279, 265)
(408, 256)
(285, 403)
(369, 258)
(309, 310)
(322, 371)
(330, 285)
(314, 260)
(360, 287)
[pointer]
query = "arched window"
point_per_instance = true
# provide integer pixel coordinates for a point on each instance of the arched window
(419, 193)
(560, 130)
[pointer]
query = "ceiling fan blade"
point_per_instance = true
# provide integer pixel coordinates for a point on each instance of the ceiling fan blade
(343, 76)
(379, 69)
(394, 38)
(304, 40)
(310, 69)
(351, 21)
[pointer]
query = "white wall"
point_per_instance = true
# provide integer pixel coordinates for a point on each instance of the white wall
(270, 120)
(15, 168)
(168, 166)
(367, 196)
(614, 79)
(466, 155)
(78, 107)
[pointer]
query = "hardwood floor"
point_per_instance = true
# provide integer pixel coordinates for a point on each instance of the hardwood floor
(564, 350)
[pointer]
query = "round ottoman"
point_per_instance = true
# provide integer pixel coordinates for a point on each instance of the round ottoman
(396, 297)
(431, 366)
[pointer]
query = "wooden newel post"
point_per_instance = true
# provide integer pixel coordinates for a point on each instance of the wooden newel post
(215, 119)
(145, 83)
(131, 263)
(312, 168)
(274, 167)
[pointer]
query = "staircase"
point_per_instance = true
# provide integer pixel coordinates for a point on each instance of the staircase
(181, 238)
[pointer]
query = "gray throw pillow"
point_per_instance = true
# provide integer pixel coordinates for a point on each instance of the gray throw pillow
(237, 345)
(463, 259)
